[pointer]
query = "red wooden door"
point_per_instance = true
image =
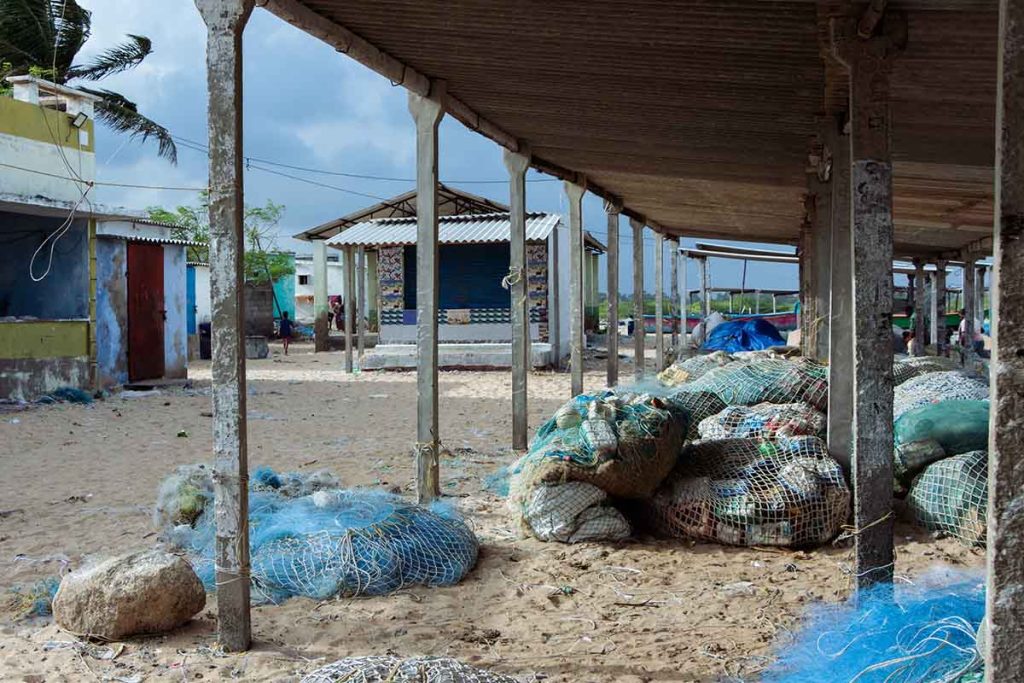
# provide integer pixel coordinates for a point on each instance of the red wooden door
(145, 311)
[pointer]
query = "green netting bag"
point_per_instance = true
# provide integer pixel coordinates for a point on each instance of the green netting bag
(958, 426)
(951, 495)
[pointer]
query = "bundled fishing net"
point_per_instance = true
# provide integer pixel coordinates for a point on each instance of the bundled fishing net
(906, 368)
(699, 405)
(694, 367)
(764, 421)
(33, 599)
(933, 431)
(387, 669)
(933, 387)
(951, 496)
(787, 492)
(767, 380)
(621, 445)
(66, 395)
(311, 539)
(928, 634)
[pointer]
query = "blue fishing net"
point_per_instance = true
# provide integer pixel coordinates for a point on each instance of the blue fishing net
(33, 599)
(331, 541)
(928, 633)
(66, 395)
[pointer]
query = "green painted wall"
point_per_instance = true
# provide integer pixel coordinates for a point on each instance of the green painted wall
(44, 339)
(44, 125)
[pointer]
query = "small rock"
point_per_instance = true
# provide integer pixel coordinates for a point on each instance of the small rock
(144, 592)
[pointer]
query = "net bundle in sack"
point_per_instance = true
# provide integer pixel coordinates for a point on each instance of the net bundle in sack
(933, 387)
(752, 492)
(934, 431)
(595, 447)
(388, 669)
(908, 368)
(694, 367)
(698, 405)
(951, 496)
(764, 421)
(767, 380)
(309, 538)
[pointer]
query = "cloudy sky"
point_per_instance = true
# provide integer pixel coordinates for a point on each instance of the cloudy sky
(307, 105)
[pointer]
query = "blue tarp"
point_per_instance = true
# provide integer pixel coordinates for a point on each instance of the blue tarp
(752, 334)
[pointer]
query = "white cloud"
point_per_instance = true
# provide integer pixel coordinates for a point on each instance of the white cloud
(148, 170)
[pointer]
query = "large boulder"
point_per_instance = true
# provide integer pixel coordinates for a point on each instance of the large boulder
(143, 592)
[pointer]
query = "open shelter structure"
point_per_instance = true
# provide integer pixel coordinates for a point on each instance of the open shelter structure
(859, 130)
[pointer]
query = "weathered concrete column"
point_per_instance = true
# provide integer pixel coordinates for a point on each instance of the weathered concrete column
(1004, 656)
(821, 247)
(659, 301)
(805, 252)
(574, 193)
(684, 295)
(225, 20)
(673, 292)
(321, 326)
(350, 305)
(613, 210)
(919, 308)
(969, 300)
(705, 287)
(361, 300)
(979, 297)
(427, 113)
(638, 299)
(939, 309)
(840, 366)
(517, 163)
(869, 64)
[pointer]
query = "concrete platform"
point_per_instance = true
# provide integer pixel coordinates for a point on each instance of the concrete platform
(453, 357)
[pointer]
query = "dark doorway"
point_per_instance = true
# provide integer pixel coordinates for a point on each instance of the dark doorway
(146, 312)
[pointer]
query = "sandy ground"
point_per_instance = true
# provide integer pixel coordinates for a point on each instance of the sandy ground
(79, 481)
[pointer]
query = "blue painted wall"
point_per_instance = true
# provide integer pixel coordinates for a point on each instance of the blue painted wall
(284, 294)
(175, 331)
(64, 292)
(111, 312)
(190, 299)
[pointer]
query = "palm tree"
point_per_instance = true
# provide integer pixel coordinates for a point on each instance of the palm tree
(43, 37)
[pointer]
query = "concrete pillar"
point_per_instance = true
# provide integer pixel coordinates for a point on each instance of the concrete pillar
(517, 163)
(979, 297)
(350, 304)
(1004, 656)
(225, 20)
(807, 288)
(821, 247)
(969, 301)
(840, 331)
(361, 301)
(321, 327)
(659, 301)
(613, 210)
(919, 308)
(427, 113)
(871, 188)
(574, 193)
(939, 309)
(674, 304)
(638, 299)
(684, 295)
(373, 290)
(554, 301)
(705, 287)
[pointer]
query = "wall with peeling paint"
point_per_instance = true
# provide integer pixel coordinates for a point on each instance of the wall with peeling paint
(176, 323)
(64, 293)
(111, 312)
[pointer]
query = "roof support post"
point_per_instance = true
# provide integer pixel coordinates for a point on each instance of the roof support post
(807, 287)
(869, 63)
(427, 112)
(613, 210)
(969, 301)
(351, 314)
(225, 21)
(938, 309)
(517, 163)
(574, 193)
(1004, 656)
(638, 298)
(684, 296)
(821, 248)
(919, 306)
(674, 298)
(705, 288)
(554, 300)
(361, 301)
(979, 297)
(321, 326)
(840, 331)
(659, 301)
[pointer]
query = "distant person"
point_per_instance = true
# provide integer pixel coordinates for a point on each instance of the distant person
(285, 330)
(339, 314)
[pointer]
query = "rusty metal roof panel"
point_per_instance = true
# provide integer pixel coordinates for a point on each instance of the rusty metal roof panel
(468, 229)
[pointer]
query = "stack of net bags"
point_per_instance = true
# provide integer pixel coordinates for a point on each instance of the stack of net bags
(774, 492)
(308, 537)
(388, 669)
(908, 368)
(596, 449)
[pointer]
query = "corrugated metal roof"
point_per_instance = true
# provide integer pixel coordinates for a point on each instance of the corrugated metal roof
(153, 240)
(468, 229)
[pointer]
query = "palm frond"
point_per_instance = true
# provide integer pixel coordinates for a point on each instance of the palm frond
(120, 58)
(45, 34)
(123, 116)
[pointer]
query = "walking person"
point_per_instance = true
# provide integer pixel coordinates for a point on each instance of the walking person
(285, 330)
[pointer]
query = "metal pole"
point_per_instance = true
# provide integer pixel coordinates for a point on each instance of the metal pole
(350, 305)
(675, 307)
(659, 301)
(321, 326)
(574, 192)
(517, 163)
(427, 113)
(361, 300)
(638, 298)
(919, 307)
(613, 210)
(225, 21)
